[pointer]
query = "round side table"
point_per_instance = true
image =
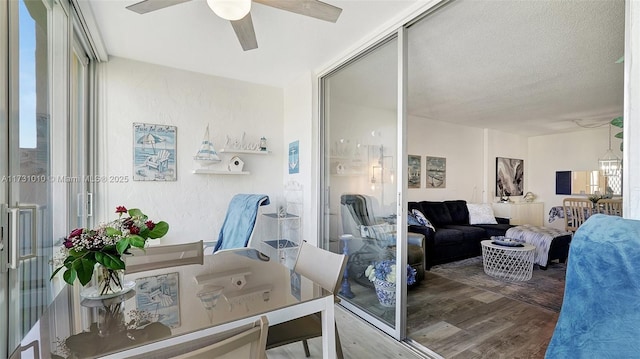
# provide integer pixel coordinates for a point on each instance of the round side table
(511, 263)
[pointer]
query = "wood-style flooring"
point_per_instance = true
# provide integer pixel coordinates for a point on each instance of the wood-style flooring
(459, 321)
(455, 320)
(359, 340)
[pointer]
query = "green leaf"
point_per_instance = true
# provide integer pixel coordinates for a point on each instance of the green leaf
(621, 146)
(56, 272)
(84, 269)
(618, 122)
(110, 261)
(159, 230)
(137, 241)
(69, 275)
(619, 135)
(112, 232)
(134, 212)
(122, 245)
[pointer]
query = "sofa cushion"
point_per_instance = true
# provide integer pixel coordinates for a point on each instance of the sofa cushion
(436, 212)
(494, 229)
(458, 211)
(470, 233)
(448, 236)
(481, 213)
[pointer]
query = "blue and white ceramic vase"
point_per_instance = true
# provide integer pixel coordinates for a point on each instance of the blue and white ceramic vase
(386, 292)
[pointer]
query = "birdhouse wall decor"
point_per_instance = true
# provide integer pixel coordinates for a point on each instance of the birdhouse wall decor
(236, 164)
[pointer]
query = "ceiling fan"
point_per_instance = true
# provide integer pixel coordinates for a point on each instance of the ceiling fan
(237, 11)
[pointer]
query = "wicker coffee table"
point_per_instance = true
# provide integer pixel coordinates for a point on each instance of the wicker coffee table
(511, 263)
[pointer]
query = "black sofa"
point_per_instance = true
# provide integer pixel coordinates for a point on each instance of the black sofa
(454, 238)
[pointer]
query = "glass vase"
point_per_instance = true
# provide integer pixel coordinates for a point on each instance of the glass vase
(107, 281)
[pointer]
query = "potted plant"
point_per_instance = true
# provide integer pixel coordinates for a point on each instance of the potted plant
(100, 250)
(383, 276)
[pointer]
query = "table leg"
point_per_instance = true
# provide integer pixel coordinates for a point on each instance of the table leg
(329, 329)
(345, 289)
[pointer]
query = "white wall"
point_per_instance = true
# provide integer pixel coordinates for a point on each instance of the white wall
(575, 151)
(298, 113)
(194, 205)
(470, 154)
(502, 144)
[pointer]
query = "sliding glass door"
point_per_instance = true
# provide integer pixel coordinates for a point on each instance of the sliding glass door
(44, 97)
(360, 182)
(25, 194)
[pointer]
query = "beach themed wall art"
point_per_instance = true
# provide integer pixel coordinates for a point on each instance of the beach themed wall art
(436, 172)
(154, 152)
(294, 157)
(414, 171)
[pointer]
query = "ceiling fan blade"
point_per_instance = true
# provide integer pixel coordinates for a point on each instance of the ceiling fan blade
(245, 33)
(313, 8)
(146, 6)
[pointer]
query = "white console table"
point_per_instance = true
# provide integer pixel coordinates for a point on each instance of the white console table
(521, 212)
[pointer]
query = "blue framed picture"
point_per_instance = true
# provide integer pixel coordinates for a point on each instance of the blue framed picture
(294, 157)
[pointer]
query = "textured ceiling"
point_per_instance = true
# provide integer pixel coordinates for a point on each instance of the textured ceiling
(190, 36)
(524, 67)
(528, 67)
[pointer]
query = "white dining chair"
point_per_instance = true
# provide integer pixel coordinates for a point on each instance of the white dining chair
(244, 342)
(576, 211)
(325, 268)
(610, 206)
(163, 257)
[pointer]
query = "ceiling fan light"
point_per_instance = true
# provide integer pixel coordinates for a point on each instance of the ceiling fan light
(230, 9)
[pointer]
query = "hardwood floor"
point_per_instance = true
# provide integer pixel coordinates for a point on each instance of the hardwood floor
(359, 340)
(460, 321)
(455, 320)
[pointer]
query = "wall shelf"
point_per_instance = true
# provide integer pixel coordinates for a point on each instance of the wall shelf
(250, 152)
(204, 171)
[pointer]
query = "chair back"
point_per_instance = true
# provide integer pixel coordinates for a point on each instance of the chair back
(34, 347)
(254, 335)
(321, 266)
(240, 220)
(576, 211)
(612, 207)
(164, 256)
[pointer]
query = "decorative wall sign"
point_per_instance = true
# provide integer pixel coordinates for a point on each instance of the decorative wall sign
(415, 171)
(436, 172)
(294, 157)
(509, 177)
(154, 152)
(158, 296)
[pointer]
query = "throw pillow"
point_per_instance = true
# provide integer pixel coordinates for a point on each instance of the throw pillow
(481, 213)
(422, 220)
(412, 220)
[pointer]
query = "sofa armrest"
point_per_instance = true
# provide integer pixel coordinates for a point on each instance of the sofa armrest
(429, 243)
(501, 220)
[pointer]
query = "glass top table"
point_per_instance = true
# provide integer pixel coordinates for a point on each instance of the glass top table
(172, 310)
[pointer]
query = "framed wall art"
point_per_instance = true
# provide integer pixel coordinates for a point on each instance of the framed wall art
(509, 177)
(436, 172)
(294, 157)
(415, 171)
(154, 152)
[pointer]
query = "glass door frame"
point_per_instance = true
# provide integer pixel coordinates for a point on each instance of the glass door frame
(398, 331)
